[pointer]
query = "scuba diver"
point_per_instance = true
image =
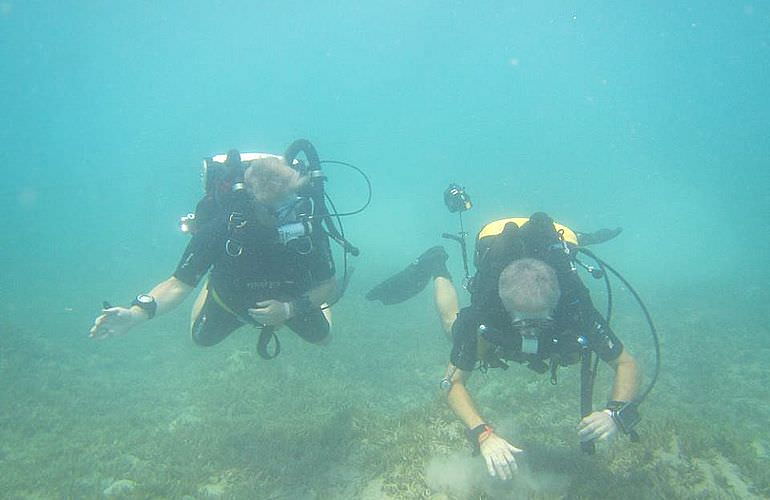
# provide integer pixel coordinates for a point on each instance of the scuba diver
(431, 264)
(529, 306)
(263, 230)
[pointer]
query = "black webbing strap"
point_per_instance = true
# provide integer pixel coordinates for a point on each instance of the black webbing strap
(586, 395)
(265, 336)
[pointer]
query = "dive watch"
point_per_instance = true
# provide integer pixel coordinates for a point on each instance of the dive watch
(147, 304)
(626, 417)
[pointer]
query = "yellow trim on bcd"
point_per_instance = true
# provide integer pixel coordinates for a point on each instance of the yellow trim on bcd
(496, 227)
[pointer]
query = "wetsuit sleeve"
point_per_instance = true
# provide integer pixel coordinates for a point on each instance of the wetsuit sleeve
(464, 339)
(602, 339)
(199, 255)
(578, 311)
(321, 262)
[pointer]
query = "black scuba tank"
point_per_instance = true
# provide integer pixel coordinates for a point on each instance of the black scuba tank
(537, 238)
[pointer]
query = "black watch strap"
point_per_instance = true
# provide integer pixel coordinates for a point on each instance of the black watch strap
(147, 304)
(474, 434)
(626, 416)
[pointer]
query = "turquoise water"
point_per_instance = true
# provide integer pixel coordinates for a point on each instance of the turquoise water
(652, 117)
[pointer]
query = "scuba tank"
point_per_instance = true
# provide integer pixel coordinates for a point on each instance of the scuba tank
(222, 177)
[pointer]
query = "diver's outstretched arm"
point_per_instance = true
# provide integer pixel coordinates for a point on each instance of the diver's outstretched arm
(499, 454)
(626, 383)
(601, 425)
(118, 320)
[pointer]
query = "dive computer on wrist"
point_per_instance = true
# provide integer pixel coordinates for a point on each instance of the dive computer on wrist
(626, 416)
(147, 304)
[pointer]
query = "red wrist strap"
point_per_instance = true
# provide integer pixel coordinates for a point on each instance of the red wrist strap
(485, 433)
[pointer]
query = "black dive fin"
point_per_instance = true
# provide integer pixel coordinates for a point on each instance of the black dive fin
(412, 280)
(599, 236)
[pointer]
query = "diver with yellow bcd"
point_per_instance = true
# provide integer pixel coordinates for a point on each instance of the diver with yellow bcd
(528, 306)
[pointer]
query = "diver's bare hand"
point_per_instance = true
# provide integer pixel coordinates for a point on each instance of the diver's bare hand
(112, 322)
(599, 426)
(270, 312)
(499, 455)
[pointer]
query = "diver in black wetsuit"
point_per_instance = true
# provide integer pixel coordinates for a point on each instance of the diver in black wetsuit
(431, 265)
(262, 273)
(528, 305)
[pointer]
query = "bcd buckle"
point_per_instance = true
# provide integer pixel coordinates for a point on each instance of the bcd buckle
(235, 221)
(233, 248)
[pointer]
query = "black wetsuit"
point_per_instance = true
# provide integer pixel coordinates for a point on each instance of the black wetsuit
(574, 316)
(251, 265)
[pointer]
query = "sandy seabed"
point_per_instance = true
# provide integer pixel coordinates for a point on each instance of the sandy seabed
(152, 416)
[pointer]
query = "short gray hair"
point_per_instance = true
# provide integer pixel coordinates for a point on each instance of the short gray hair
(529, 285)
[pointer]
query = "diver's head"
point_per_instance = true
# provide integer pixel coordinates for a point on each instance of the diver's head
(529, 289)
(272, 181)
